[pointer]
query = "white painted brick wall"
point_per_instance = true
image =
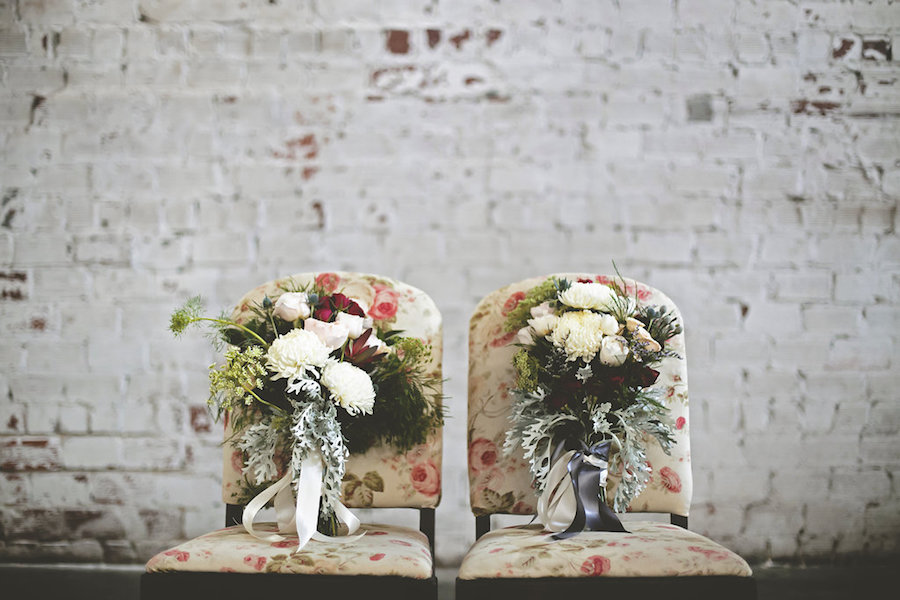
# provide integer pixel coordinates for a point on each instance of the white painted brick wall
(741, 155)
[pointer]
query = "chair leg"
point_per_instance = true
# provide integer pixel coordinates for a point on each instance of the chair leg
(426, 525)
(680, 521)
(234, 514)
(482, 525)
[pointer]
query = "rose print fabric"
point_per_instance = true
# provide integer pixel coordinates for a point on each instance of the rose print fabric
(384, 550)
(649, 550)
(502, 484)
(381, 477)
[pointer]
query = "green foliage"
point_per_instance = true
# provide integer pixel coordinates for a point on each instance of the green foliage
(543, 292)
(527, 368)
(407, 408)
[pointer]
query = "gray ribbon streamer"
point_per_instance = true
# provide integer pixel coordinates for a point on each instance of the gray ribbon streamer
(591, 513)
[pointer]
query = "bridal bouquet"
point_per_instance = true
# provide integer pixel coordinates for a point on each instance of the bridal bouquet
(584, 402)
(308, 378)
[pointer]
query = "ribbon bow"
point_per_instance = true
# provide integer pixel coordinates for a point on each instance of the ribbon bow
(571, 502)
(303, 516)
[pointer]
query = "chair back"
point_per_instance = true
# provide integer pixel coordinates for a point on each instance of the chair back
(384, 476)
(501, 484)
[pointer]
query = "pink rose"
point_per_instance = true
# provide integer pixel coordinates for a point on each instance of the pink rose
(670, 479)
(595, 565)
(503, 340)
(328, 281)
(512, 302)
(710, 554)
(679, 422)
(426, 478)
(378, 556)
(482, 454)
(385, 304)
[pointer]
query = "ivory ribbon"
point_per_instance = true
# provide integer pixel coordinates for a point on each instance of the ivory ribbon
(571, 501)
(301, 517)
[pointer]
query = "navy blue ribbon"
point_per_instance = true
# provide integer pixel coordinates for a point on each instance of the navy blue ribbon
(591, 511)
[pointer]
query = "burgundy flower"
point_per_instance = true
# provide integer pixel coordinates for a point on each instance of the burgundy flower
(323, 313)
(648, 376)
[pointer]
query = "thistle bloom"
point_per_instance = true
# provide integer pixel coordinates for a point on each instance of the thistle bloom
(350, 387)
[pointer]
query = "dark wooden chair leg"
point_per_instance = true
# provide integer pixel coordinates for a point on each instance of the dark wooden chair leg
(680, 521)
(426, 525)
(233, 514)
(482, 525)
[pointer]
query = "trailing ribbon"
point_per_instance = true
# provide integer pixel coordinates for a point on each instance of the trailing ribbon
(571, 502)
(301, 517)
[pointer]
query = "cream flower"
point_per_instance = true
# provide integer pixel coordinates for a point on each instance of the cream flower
(350, 386)
(291, 306)
(355, 324)
(541, 310)
(544, 324)
(613, 350)
(295, 353)
(332, 335)
(609, 325)
(579, 334)
(525, 336)
(587, 295)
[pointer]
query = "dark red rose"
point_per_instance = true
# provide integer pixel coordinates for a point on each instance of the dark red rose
(648, 376)
(616, 380)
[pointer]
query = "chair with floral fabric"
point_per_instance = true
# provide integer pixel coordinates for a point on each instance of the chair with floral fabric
(525, 561)
(389, 560)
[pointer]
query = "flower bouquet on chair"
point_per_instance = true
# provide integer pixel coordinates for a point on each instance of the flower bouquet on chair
(584, 403)
(311, 376)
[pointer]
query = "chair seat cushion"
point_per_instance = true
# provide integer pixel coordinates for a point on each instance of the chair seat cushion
(649, 550)
(383, 550)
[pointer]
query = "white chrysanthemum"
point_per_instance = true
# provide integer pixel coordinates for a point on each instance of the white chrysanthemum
(350, 386)
(579, 334)
(594, 296)
(295, 353)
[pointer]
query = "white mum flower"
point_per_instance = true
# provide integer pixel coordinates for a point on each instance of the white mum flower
(350, 386)
(295, 353)
(579, 334)
(544, 324)
(587, 296)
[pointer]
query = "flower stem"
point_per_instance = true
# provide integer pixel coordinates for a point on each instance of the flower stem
(235, 325)
(255, 395)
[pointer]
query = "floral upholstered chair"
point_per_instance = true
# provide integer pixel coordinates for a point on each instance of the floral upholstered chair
(387, 560)
(525, 562)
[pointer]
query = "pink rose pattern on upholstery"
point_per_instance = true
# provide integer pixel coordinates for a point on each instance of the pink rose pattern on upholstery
(649, 550)
(502, 484)
(384, 550)
(407, 480)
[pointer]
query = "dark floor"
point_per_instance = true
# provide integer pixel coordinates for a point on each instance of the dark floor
(773, 583)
